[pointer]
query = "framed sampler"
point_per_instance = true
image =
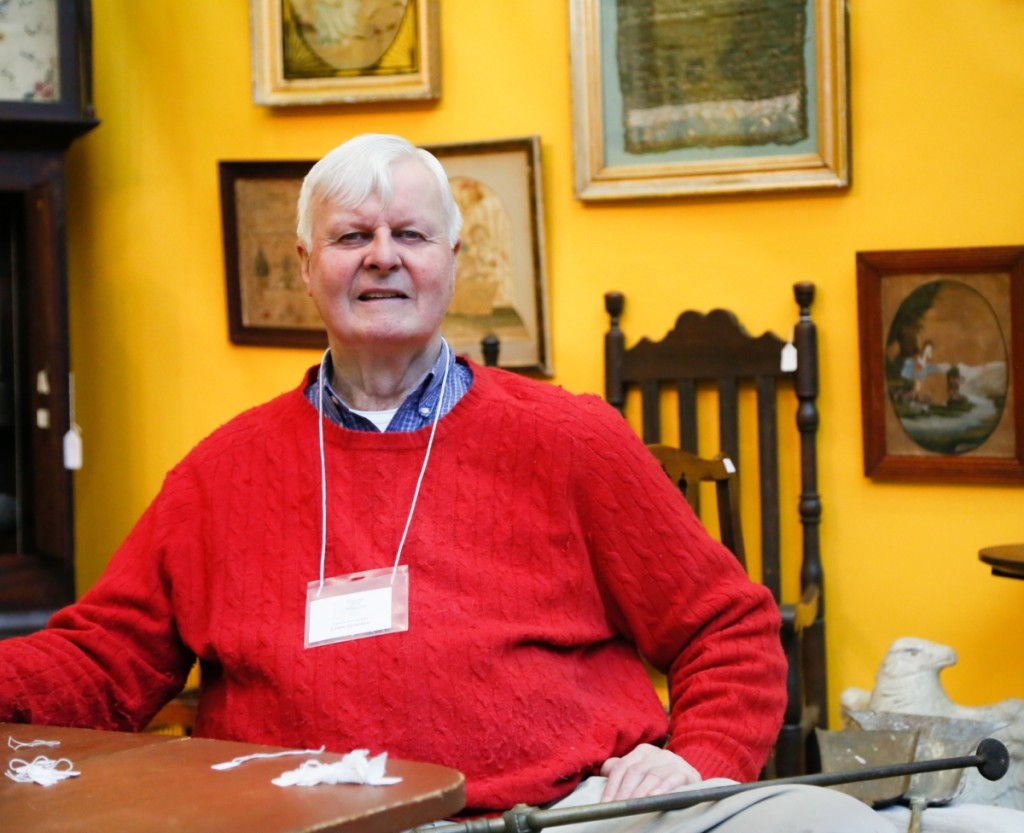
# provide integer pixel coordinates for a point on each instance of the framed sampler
(675, 98)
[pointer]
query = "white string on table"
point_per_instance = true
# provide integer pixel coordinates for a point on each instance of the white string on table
(17, 745)
(255, 756)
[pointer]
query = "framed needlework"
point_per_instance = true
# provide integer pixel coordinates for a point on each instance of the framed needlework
(942, 363)
(692, 97)
(267, 300)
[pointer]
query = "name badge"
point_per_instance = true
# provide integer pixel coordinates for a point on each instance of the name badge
(357, 605)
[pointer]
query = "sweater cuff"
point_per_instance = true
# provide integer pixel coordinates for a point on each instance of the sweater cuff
(722, 761)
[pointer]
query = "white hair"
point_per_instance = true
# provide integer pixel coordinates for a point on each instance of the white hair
(360, 167)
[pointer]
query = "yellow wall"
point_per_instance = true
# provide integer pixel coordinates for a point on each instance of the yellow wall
(937, 119)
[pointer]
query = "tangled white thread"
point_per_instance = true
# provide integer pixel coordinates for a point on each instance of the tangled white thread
(43, 771)
(354, 768)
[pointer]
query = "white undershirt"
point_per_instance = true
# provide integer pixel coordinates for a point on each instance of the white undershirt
(382, 419)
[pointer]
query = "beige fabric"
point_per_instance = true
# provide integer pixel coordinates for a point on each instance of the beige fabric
(960, 818)
(771, 809)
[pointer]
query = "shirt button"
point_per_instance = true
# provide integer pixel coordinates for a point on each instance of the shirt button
(424, 411)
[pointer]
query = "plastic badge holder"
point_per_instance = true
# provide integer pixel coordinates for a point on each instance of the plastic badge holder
(358, 605)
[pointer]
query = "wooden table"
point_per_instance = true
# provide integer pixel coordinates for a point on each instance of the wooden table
(1005, 560)
(139, 783)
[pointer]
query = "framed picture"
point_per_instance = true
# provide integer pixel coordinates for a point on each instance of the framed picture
(500, 287)
(942, 363)
(691, 97)
(311, 52)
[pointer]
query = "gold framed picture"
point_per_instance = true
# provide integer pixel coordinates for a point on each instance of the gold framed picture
(344, 51)
(678, 98)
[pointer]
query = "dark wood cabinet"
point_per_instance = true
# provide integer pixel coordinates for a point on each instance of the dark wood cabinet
(45, 104)
(36, 550)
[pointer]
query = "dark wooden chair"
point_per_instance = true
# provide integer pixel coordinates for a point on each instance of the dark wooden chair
(711, 359)
(688, 472)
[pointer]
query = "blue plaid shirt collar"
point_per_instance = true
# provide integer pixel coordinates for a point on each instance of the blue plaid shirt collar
(417, 411)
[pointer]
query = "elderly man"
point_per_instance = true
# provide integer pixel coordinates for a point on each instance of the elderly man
(416, 554)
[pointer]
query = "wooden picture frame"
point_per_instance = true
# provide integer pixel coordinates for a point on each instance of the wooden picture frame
(360, 51)
(658, 113)
(501, 287)
(942, 363)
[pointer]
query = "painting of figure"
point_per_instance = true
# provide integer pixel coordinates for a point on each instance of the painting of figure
(947, 360)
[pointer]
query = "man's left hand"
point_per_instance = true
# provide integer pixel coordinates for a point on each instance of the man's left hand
(647, 770)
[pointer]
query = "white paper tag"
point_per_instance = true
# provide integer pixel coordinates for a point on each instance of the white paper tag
(357, 605)
(788, 359)
(73, 449)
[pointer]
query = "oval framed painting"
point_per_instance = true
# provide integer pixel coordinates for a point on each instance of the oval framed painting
(941, 347)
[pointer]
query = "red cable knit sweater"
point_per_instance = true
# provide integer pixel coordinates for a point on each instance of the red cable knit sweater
(546, 548)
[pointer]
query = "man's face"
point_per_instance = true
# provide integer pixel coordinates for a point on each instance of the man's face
(383, 275)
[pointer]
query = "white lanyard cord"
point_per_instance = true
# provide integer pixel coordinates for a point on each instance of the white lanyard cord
(426, 458)
(323, 471)
(419, 480)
